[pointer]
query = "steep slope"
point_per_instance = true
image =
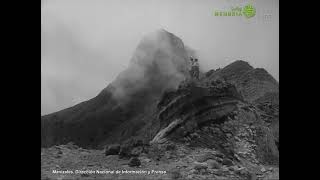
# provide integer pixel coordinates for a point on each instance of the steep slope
(223, 126)
(129, 105)
(233, 71)
(159, 63)
(202, 131)
(211, 115)
(252, 83)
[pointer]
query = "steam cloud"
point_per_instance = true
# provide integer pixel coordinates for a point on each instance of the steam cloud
(85, 44)
(160, 62)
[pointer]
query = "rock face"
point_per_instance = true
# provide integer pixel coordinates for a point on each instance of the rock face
(125, 105)
(160, 137)
(211, 113)
(252, 83)
(223, 126)
(192, 105)
(234, 110)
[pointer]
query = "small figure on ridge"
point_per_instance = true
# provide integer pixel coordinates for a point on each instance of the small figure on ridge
(194, 70)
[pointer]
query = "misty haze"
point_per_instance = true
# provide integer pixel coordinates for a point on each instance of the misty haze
(86, 44)
(160, 89)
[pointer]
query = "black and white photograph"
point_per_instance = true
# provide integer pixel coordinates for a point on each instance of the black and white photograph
(160, 89)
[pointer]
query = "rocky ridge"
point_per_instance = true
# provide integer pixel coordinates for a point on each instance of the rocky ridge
(223, 126)
(206, 131)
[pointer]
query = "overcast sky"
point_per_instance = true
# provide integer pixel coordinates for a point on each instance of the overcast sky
(86, 43)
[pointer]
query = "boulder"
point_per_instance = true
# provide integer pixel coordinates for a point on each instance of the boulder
(241, 172)
(212, 164)
(170, 147)
(125, 151)
(194, 135)
(134, 162)
(199, 167)
(219, 155)
(136, 151)
(168, 155)
(112, 149)
(227, 162)
(204, 157)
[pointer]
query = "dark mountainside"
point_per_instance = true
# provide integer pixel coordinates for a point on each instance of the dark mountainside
(226, 124)
(160, 62)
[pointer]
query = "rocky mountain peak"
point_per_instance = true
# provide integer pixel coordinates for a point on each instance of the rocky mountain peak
(159, 62)
(224, 125)
(235, 70)
(146, 98)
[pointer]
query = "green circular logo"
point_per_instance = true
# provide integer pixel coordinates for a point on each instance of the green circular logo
(249, 11)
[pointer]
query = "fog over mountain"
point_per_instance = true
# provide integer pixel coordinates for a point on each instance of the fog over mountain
(120, 94)
(86, 44)
(131, 104)
(155, 114)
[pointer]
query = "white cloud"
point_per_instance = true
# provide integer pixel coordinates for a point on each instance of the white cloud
(85, 44)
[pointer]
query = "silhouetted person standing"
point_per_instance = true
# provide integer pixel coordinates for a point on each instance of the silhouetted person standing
(194, 71)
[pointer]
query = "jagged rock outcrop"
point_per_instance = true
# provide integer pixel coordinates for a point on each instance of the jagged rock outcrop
(193, 105)
(162, 134)
(252, 83)
(223, 126)
(233, 110)
(213, 115)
